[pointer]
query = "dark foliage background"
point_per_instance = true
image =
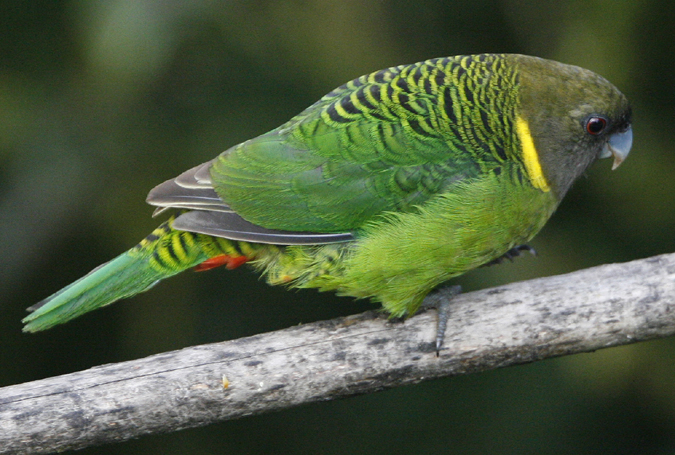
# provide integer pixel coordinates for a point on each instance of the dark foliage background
(100, 101)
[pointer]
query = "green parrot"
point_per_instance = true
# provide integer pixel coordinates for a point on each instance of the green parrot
(385, 188)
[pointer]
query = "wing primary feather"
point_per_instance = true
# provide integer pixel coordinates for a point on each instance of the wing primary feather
(203, 174)
(159, 210)
(198, 177)
(232, 226)
(172, 195)
(189, 206)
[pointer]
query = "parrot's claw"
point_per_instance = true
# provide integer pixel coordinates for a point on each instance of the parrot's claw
(440, 299)
(512, 253)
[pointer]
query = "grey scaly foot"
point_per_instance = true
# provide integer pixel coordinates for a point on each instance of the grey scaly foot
(440, 299)
(512, 253)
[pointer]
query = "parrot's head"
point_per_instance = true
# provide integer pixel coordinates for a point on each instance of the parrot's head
(574, 117)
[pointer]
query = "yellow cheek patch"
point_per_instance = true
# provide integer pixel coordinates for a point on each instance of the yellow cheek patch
(530, 156)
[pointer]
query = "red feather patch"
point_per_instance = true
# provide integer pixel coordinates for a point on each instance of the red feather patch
(230, 262)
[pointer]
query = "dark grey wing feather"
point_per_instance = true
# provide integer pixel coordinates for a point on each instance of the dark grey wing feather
(190, 190)
(193, 190)
(197, 177)
(232, 226)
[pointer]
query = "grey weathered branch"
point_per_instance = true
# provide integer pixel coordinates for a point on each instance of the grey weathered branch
(517, 323)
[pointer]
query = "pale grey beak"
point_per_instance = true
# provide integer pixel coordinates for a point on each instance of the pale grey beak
(618, 145)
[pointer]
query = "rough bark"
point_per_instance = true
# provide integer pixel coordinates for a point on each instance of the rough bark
(521, 322)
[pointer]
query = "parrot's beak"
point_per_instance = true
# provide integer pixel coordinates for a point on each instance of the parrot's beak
(618, 145)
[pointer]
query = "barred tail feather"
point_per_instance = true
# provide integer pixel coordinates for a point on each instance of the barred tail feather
(162, 254)
(122, 277)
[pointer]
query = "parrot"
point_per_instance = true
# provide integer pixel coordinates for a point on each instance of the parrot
(386, 188)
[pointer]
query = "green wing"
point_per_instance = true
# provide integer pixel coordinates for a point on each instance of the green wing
(387, 141)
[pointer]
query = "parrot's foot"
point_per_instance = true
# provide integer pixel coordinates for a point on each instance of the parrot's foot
(440, 299)
(512, 253)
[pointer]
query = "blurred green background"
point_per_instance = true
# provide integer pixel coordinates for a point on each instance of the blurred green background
(102, 100)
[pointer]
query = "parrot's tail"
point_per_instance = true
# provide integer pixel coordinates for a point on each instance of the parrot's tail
(162, 254)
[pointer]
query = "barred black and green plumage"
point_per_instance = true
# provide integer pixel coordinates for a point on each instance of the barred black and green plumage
(388, 186)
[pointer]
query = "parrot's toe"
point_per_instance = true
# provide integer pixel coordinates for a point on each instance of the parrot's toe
(440, 299)
(512, 253)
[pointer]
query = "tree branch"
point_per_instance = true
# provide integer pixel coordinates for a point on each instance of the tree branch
(521, 322)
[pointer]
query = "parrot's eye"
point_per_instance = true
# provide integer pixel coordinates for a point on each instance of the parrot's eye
(596, 125)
